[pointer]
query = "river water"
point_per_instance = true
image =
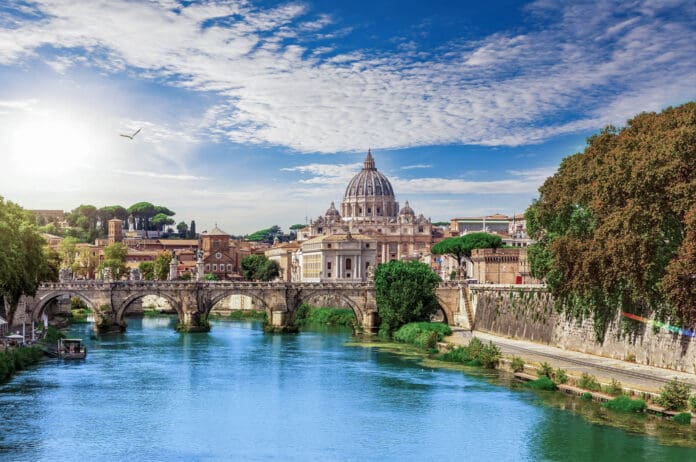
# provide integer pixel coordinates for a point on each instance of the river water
(237, 394)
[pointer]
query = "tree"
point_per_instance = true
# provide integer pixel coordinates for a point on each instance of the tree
(267, 235)
(182, 228)
(86, 262)
(161, 220)
(147, 270)
(161, 265)
(405, 293)
(192, 230)
(110, 212)
(67, 249)
(297, 226)
(259, 268)
(210, 277)
(143, 212)
(23, 261)
(115, 258)
(461, 246)
(612, 224)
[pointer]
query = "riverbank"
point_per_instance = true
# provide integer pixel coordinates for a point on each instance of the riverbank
(633, 377)
(15, 359)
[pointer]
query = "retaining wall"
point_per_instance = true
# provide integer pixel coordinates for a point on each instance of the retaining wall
(527, 312)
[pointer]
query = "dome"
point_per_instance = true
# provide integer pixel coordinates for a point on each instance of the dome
(407, 210)
(332, 212)
(369, 182)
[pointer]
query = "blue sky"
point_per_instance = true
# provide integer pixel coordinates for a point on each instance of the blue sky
(258, 113)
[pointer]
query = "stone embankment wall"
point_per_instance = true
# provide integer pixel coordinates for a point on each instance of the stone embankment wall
(527, 312)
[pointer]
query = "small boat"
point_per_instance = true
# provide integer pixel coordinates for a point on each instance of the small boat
(71, 348)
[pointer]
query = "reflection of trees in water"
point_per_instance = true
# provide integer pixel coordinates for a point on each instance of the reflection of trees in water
(615, 436)
(158, 322)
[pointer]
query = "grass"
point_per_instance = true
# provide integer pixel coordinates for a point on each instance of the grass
(325, 316)
(542, 383)
(545, 370)
(474, 354)
(239, 315)
(586, 396)
(517, 364)
(625, 404)
(15, 359)
(683, 418)
(589, 382)
(422, 334)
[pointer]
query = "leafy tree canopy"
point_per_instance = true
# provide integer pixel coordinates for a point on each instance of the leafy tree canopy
(23, 261)
(259, 268)
(115, 258)
(265, 235)
(614, 226)
(405, 293)
(161, 265)
(461, 246)
(297, 226)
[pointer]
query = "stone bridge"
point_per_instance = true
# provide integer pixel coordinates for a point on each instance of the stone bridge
(193, 301)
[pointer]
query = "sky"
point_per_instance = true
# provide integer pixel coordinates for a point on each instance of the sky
(255, 113)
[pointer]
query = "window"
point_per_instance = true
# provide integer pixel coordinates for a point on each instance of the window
(214, 266)
(420, 229)
(328, 246)
(349, 265)
(328, 274)
(216, 244)
(379, 211)
(328, 265)
(319, 230)
(207, 267)
(218, 255)
(359, 210)
(369, 210)
(229, 268)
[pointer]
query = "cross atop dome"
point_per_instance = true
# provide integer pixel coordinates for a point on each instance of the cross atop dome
(369, 163)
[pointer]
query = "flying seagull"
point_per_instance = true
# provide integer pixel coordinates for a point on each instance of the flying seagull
(130, 137)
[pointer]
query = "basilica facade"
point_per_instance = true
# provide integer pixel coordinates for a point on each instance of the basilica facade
(369, 208)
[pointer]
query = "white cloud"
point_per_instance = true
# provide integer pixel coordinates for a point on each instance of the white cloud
(586, 67)
(326, 174)
(415, 166)
(164, 176)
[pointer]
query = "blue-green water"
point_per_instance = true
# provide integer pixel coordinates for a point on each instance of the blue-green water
(237, 394)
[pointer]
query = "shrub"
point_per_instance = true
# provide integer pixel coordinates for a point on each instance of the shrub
(422, 334)
(625, 404)
(589, 382)
(490, 356)
(517, 364)
(692, 402)
(545, 370)
(474, 354)
(630, 357)
(586, 396)
(327, 316)
(674, 396)
(542, 383)
(683, 418)
(615, 387)
(560, 376)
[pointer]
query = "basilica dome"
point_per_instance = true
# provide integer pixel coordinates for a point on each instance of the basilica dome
(369, 195)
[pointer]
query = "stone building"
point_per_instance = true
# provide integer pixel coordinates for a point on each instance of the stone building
(283, 254)
(369, 208)
(502, 266)
(220, 255)
(337, 257)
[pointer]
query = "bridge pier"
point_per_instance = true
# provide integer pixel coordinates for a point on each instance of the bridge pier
(106, 321)
(370, 323)
(192, 321)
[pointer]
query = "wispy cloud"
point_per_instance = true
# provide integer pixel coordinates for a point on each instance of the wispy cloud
(590, 64)
(327, 174)
(415, 166)
(164, 176)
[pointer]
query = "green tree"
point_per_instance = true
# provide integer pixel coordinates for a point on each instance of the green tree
(405, 293)
(143, 212)
(86, 262)
(161, 265)
(23, 261)
(192, 230)
(297, 226)
(210, 277)
(110, 212)
(182, 228)
(461, 246)
(115, 258)
(259, 268)
(611, 225)
(161, 220)
(147, 270)
(67, 249)
(267, 235)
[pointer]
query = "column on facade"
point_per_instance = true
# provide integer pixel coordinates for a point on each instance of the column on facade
(358, 267)
(398, 251)
(337, 270)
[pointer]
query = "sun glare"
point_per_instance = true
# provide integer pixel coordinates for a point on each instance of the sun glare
(50, 143)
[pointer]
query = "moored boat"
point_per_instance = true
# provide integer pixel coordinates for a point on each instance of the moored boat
(71, 348)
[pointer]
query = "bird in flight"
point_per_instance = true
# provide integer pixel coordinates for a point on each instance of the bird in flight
(130, 137)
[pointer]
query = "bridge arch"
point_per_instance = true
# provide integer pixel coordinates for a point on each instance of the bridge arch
(41, 304)
(121, 309)
(218, 297)
(306, 298)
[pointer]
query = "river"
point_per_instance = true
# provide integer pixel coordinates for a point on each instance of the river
(238, 394)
